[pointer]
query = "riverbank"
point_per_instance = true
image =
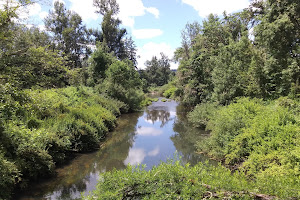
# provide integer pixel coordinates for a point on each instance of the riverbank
(40, 129)
(147, 137)
(258, 139)
(172, 180)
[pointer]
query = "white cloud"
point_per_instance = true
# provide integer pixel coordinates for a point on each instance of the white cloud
(146, 33)
(205, 7)
(154, 152)
(43, 14)
(28, 11)
(135, 156)
(128, 10)
(149, 131)
(151, 49)
(85, 9)
(153, 11)
(134, 8)
(42, 27)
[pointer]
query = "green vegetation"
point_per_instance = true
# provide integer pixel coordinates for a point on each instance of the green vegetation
(170, 93)
(174, 181)
(148, 101)
(246, 92)
(202, 113)
(258, 137)
(220, 61)
(157, 72)
(57, 97)
(41, 128)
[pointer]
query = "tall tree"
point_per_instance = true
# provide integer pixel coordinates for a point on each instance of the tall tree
(188, 36)
(157, 71)
(278, 33)
(70, 36)
(112, 35)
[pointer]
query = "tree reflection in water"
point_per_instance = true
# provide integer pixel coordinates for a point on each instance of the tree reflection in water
(82, 174)
(159, 112)
(146, 137)
(186, 137)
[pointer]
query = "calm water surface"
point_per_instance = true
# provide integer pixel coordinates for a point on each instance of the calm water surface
(148, 137)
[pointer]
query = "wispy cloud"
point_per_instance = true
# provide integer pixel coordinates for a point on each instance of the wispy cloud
(85, 9)
(129, 9)
(149, 131)
(154, 152)
(153, 11)
(151, 49)
(146, 33)
(135, 156)
(205, 7)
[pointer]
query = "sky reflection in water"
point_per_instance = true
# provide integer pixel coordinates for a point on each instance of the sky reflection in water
(147, 137)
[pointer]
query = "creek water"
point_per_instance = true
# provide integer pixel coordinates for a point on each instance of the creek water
(147, 137)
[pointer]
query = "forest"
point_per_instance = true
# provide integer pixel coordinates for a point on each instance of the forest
(62, 90)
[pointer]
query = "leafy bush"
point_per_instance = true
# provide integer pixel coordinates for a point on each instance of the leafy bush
(262, 139)
(202, 113)
(148, 101)
(174, 181)
(124, 84)
(9, 175)
(40, 128)
(170, 93)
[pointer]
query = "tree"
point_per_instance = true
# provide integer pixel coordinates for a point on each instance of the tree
(157, 71)
(123, 83)
(278, 33)
(196, 83)
(70, 35)
(99, 62)
(32, 61)
(112, 35)
(188, 36)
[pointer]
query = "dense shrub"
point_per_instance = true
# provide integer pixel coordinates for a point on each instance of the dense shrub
(262, 139)
(9, 175)
(170, 93)
(124, 84)
(202, 113)
(174, 181)
(148, 101)
(40, 128)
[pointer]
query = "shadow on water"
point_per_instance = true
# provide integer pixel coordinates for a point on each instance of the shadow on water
(148, 137)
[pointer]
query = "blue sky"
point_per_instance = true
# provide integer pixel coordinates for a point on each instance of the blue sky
(155, 25)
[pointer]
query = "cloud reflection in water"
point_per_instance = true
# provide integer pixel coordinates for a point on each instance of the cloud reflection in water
(137, 156)
(149, 131)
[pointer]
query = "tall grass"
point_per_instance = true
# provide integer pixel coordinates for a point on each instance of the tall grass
(260, 139)
(40, 128)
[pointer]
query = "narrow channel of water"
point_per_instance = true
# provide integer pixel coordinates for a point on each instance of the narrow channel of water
(148, 137)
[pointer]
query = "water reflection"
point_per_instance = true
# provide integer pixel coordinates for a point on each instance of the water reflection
(159, 112)
(141, 138)
(150, 131)
(186, 137)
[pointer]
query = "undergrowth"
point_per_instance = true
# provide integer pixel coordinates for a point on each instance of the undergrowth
(172, 180)
(41, 128)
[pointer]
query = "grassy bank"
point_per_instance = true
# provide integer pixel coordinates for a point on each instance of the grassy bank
(41, 128)
(261, 139)
(257, 141)
(172, 180)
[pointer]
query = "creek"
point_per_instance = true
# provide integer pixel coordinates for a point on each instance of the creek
(147, 137)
